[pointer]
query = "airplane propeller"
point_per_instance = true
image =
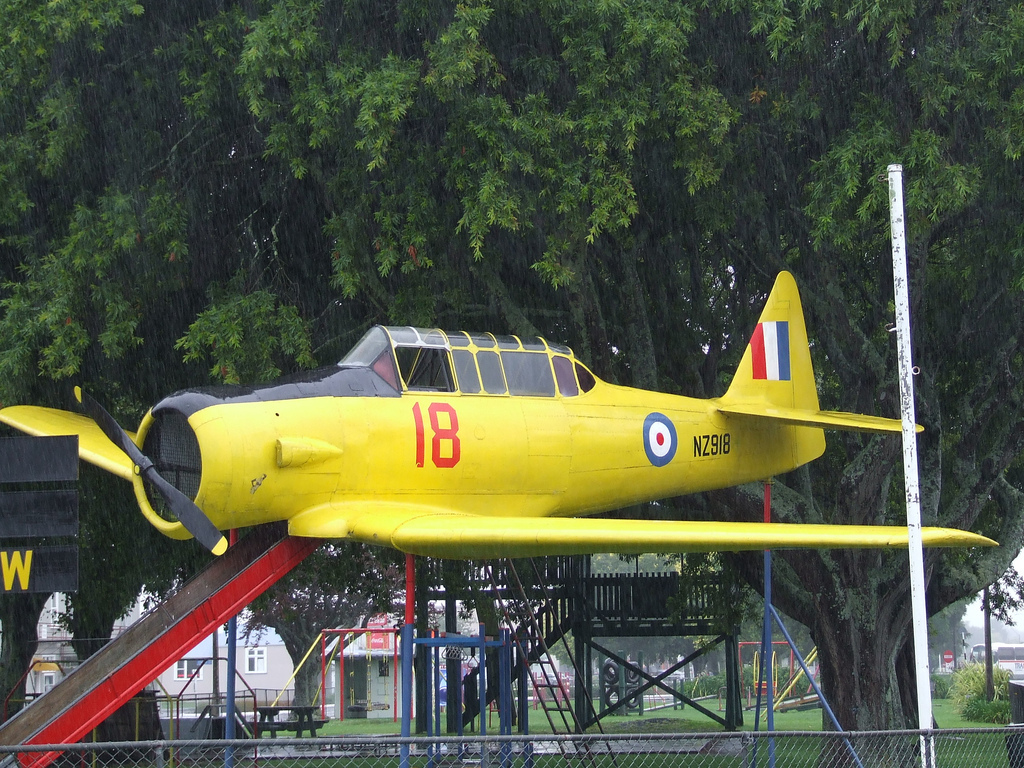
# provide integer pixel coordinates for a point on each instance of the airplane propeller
(190, 515)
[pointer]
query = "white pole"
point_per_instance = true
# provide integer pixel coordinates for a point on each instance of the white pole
(917, 588)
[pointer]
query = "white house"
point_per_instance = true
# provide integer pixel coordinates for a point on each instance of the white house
(263, 672)
(264, 668)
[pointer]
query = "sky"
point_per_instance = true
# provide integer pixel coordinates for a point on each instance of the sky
(1013, 634)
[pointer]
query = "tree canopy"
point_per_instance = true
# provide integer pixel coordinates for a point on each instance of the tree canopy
(224, 191)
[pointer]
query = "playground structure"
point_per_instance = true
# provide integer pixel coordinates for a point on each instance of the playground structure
(561, 595)
(783, 697)
(560, 601)
(352, 697)
(412, 528)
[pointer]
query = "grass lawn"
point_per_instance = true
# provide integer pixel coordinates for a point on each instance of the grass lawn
(666, 720)
(977, 750)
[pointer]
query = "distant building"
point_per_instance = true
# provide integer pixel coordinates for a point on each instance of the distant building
(264, 670)
(55, 657)
(264, 667)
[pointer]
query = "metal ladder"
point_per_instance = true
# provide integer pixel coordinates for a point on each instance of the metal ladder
(534, 653)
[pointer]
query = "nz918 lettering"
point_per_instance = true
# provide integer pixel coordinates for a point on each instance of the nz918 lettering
(717, 444)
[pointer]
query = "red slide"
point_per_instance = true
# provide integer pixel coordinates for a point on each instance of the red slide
(125, 666)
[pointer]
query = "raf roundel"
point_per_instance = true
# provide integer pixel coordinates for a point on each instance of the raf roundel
(659, 439)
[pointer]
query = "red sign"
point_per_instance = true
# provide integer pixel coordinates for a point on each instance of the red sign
(947, 657)
(379, 641)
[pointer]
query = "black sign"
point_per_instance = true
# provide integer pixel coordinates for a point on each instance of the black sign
(35, 514)
(27, 514)
(38, 459)
(39, 569)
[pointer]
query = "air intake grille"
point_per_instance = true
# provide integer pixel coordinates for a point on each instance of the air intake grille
(172, 446)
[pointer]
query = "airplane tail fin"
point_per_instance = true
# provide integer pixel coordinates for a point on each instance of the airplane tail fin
(775, 379)
(775, 370)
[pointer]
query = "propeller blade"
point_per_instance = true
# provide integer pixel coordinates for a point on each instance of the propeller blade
(111, 428)
(191, 516)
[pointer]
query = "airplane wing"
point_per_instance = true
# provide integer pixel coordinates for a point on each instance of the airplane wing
(851, 422)
(433, 532)
(93, 446)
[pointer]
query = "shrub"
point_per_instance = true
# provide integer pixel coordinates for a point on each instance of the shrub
(704, 685)
(940, 686)
(977, 710)
(968, 685)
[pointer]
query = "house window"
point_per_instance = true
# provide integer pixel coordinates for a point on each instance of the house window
(184, 668)
(255, 661)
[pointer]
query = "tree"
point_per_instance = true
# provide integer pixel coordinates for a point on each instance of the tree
(947, 630)
(230, 190)
(84, 232)
(958, 149)
(19, 615)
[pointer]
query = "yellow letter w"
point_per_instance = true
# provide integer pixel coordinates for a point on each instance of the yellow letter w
(11, 563)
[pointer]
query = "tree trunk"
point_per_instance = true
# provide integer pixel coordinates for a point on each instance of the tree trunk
(858, 672)
(307, 682)
(91, 632)
(19, 617)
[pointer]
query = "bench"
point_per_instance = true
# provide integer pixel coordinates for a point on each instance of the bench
(304, 721)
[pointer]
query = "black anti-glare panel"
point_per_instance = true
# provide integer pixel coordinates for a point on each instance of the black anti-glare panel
(38, 569)
(38, 459)
(25, 514)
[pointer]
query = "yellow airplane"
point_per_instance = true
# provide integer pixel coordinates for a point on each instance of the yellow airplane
(469, 445)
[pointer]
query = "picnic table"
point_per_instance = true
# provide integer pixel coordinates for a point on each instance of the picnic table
(304, 720)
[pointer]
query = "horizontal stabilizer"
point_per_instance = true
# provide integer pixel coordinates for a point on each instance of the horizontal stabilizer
(93, 446)
(423, 530)
(850, 422)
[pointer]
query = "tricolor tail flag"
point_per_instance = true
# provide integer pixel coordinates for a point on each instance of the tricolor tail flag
(770, 348)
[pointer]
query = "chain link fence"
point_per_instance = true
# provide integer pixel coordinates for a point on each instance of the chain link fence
(968, 748)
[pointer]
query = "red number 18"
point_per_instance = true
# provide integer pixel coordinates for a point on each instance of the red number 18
(442, 435)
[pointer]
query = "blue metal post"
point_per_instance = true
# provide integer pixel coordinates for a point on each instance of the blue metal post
(524, 709)
(505, 695)
(814, 684)
(437, 691)
(428, 679)
(229, 715)
(407, 653)
(459, 727)
(482, 680)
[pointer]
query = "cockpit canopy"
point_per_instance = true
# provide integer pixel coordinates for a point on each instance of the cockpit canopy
(431, 360)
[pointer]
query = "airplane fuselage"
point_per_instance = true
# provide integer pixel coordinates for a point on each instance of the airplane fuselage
(476, 454)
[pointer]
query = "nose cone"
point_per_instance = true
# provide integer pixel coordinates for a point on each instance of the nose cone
(171, 444)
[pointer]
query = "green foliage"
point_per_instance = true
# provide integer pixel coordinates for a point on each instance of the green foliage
(940, 686)
(704, 685)
(244, 333)
(91, 288)
(981, 711)
(710, 585)
(967, 690)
